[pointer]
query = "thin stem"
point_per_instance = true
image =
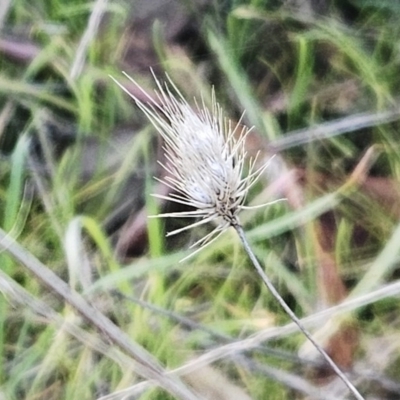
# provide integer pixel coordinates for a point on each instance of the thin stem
(291, 314)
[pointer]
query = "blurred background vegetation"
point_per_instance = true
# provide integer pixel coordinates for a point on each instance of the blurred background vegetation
(320, 82)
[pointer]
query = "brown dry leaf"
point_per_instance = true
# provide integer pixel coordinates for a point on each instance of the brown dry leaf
(331, 288)
(385, 191)
(342, 344)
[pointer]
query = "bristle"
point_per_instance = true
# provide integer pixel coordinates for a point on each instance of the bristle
(206, 158)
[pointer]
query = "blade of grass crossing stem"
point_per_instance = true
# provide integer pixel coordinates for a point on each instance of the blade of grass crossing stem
(296, 218)
(138, 270)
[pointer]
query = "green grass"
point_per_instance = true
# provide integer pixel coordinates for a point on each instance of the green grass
(320, 89)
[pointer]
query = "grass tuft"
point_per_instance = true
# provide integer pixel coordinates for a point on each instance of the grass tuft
(93, 298)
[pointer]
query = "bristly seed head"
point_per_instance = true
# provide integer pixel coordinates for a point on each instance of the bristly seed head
(205, 159)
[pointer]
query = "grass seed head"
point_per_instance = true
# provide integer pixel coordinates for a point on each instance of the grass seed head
(206, 158)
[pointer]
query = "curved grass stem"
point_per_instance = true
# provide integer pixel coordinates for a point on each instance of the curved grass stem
(292, 315)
